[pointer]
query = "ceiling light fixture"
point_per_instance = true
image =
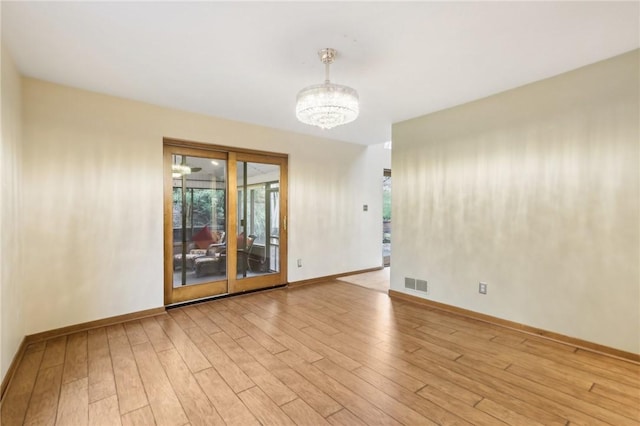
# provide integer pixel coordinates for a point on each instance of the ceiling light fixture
(327, 105)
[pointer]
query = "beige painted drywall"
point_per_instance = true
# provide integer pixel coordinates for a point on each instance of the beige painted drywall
(12, 321)
(93, 201)
(534, 191)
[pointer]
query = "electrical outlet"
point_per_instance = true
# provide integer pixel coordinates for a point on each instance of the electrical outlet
(482, 288)
(299, 263)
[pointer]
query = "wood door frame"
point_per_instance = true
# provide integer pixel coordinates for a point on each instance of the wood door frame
(231, 155)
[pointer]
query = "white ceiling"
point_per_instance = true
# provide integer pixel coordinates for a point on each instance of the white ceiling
(246, 61)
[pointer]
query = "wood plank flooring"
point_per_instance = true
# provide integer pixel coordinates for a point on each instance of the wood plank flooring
(324, 354)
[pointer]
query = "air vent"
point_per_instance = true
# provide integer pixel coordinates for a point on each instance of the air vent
(410, 283)
(421, 285)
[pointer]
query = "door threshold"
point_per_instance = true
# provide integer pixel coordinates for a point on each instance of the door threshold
(220, 296)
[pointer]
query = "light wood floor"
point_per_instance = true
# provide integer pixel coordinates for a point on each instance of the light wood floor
(330, 353)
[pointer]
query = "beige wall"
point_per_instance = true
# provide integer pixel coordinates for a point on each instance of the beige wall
(12, 321)
(534, 191)
(93, 193)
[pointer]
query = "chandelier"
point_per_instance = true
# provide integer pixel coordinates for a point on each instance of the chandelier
(327, 105)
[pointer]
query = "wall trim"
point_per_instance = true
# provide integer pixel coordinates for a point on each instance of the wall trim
(550, 335)
(63, 331)
(11, 371)
(326, 278)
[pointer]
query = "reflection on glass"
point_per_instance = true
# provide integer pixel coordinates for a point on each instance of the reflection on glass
(199, 220)
(258, 219)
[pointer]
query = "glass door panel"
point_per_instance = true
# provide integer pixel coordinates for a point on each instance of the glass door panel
(261, 217)
(258, 219)
(199, 219)
(195, 209)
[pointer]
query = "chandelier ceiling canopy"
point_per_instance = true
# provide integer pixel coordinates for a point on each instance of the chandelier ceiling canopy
(327, 105)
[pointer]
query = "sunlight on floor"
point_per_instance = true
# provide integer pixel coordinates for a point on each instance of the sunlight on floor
(376, 280)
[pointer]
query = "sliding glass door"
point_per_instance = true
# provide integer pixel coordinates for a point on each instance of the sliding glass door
(225, 221)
